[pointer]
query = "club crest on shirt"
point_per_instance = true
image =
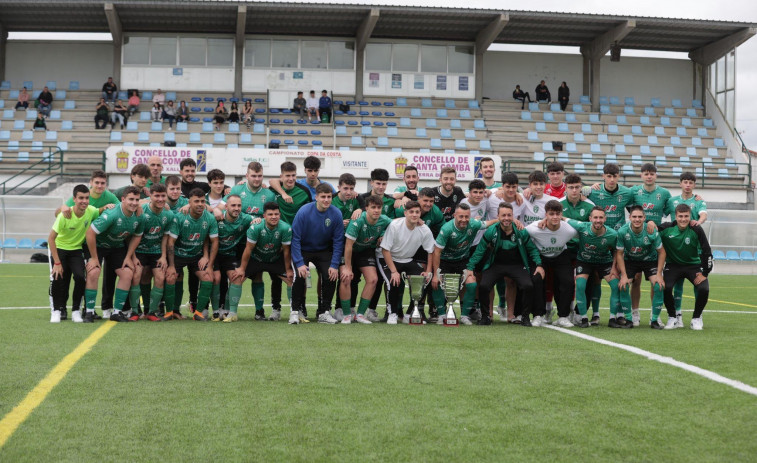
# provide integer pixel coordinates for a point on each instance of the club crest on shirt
(553, 240)
(687, 240)
(275, 234)
(328, 222)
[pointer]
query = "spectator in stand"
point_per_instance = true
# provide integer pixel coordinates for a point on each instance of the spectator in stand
(248, 113)
(182, 112)
(542, 93)
(220, 116)
(39, 123)
(45, 102)
(23, 99)
(300, 105)
(233, 112)
(312, 106)
(156, 113)
(169, 113)
(101, 114)
(159, 98)
(133, 102)
(324, 104)
(110, 90)
(118, 114)
(521, 96)
(563, 96)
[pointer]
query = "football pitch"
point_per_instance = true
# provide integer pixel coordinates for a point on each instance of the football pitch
(268, 391)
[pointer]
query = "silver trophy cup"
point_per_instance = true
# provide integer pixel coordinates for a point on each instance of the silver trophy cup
(451, 287)
(415, 284)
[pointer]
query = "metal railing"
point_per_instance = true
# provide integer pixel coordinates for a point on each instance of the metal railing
(41, 167)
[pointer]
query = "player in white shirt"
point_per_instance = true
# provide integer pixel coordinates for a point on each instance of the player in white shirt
(478, 203)
(551, 237)
(401, 241)
(534, 205)
(312, 105)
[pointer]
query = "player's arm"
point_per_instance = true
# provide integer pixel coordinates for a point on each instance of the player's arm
(133, 243)
(245, 259)
(534, 254)
(706, 255)
(702, 218)
(287, 250)
(162, 260)
(346, 273)
(436, 257)
(170, 243)
(620, 263)
(91, 237)
(489, 223)
(661, 255)
(276, 186)
(213, 250)
(57, 267)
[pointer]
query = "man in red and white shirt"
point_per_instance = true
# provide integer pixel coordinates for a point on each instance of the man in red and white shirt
(556, 186)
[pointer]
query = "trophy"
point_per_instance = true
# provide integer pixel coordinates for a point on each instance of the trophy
(415, 284)
(451, 286)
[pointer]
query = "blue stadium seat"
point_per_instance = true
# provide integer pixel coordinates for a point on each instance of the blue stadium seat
(382, 142)
(5, 134)
(420, 132)
(613, 128)
(620, 149)
(144, 137)
(207, 126)
(628, 139)
(684, 161)
(540, 126)
(401, 101)
(652, 140)
(649, 111)
(587, 158)
(579, 137)
(546, 146)
(579, 168)
(415, 112)
(745, 255)
(115, 136)
(479, 124)
(484, 144)
(357, 141)
(366, 131)
(435, 143)
(470, 133)
(465, 114)
(614, 100)
(628, 169)
(194, 137)
(603, 138)
(245, 138)
(629, 110)
(636, 130)
(405, 122)
(533, 136)
(717, 254)
(668, 151)
(645, 150)
(392, 131)
(460, 144)
(563, 157)
(595, 148)
(169, 136)
(550, 117)
(473, 104)
(426, 102)
(525, 115)
(719, 142)
(51, 135)
(27, 135)
(563, 127)
(570, 147)
(577, 108)
(676, 104)
(533, 106)
(10, 243)
(708, 123)
(182, 126)
(586, 128)
(445, 133)
(732, 255)
(69, 104)
(696, 141)
(156, 126)
(584, 99)
(621, 119)
(554, 107)
(219, 137)
(441, 112)
(661, 160)
(431, 123)
(538, 156)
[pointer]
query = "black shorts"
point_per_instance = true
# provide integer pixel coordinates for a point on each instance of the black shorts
(587, 268)
(633, 267)
(453, 266)
(148, 260)
(362, 259)
(114, 257)
(255, 268)
(225, 263)
(192, 263)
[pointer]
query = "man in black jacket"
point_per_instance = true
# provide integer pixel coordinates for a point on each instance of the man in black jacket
(520, 95)
(542, 93)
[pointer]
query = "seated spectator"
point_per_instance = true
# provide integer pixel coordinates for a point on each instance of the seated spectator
(110, 90)
(118, 114)
(248, 114)
(563, 96)
(182, 112)
(542, 93)
(234, 112)
(220, 116)
(156, 113)
(133, 103)
(101, 114)
(45, 102)
(300, 105)
(312, 105)
(324, 105)
(159, 98)
(39, 123)
(23, 99)
(521, 96)
(169, 113)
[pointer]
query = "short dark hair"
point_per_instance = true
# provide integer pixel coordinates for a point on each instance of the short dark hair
(412, 205)
(374, 200)
(98, 174)
(509, 178)
(380, 174)
(270, 206)
(504, 205)
(196, 192)
(411, 168)
(648, 167)
(323, 188)
(476, 184)
(312, 162)
(688, 176)
(611, 169)
(187, 162)
(288, 166)
(597, 208)
(80, 189)
(553, 206)
(255, 166)
(635, 207)
(463, 206)
(131, 190)
(448, 170)
(347, 179)
(142, 170)
(555, 167)
(485, 159)
(572, 179)
(427, 192)
(157, 188)
(216, 174)
(537, 176)
(683, 208)
(173, 180)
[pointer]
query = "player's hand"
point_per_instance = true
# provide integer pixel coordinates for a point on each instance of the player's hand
(91, 265)
(109, 206)
(487, 193)
(624, 282)
(146, 191)
(346, 274)
(264, 185)
(66, 211)
(518, 224)
(596, 186)
(333, 274)
(346, 222)
(256, 220)
(427, 276)
(237, 273)
(217, 214)
(226, 191)
(128, 264)
(394, 279)
(694, 223)
(203, 263)
(286, 198)
(542, 224)
(698, 198)
(539, 271)
(184, 209)
(378, 241)
(171, 273)
(500, 193)
(290, 276)
(435, 282)
(57, 271)
(356, 214)
(699, 279)
(242, 182)
(302, 271)
(658, 280)
(651, 227)
(518, 199)
(162, 263)
(527, 193)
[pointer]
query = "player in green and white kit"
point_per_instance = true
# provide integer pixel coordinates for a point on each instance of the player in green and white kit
(267, 250)
(361, 239)
(151, 254)
(187, 247)
(232, 229)
(596, 253)
(642, 252)
(688, 256)
(487, 173)
(346, 199)
(698, 217)
(251, 193)
(408, 191)
(106, 239)
(612, 197)
(175, 200)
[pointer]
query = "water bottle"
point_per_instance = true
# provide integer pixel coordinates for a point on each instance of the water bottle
(308, 281)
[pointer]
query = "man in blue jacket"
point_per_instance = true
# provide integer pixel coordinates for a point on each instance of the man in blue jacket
(317, 238)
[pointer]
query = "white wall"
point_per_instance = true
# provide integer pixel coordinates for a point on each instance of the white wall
(211, 79)
(643, 78)
(282, 80)
(429, 89)
(88, 62)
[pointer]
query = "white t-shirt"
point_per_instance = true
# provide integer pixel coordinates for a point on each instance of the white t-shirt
(534, 208)
(551, 243)
(492, 207)
(403, 243)
(312, 102)
(479, 212)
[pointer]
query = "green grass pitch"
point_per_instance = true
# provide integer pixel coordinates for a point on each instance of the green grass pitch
(264, 391)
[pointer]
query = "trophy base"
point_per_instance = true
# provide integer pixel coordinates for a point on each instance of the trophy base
(416, 321)
(451, 322)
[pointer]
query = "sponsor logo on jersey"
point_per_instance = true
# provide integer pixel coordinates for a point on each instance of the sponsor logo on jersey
(648, 206)
(193, 237)
(636, 250)
(611, 208)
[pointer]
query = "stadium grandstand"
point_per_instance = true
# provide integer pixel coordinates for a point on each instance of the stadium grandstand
(409, 85)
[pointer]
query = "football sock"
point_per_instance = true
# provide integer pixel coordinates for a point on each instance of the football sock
(134, 293)
(615, 300)
(258, 291)
(678, 295)
(363, 306)
(203, 295)
(179, 295)
(215, 297)
(155, 296)
(169, 292)
(144, 290)
(581, 296)
(234, 294)
(90, 297)
(596, 295)
(657, 301)
(121, 295)
(501, 287)
(468, 299)
(345, 304)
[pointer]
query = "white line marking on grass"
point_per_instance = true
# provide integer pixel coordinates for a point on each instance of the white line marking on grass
(711, 375)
